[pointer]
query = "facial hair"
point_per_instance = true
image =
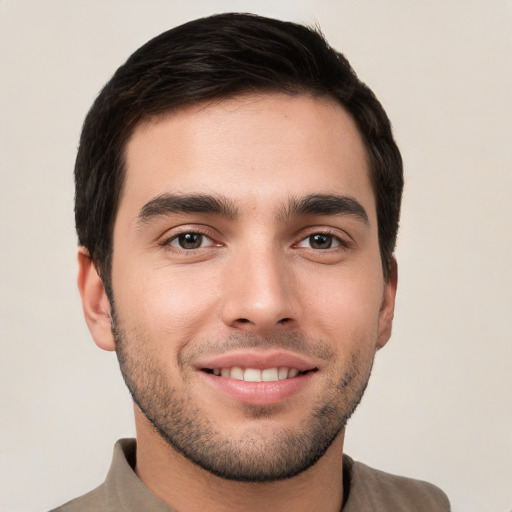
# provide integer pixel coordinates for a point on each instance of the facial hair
(254, 456)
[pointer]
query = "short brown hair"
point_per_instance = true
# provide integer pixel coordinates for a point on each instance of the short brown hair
(212, 58)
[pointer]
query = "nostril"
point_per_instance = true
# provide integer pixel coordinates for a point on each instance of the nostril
(247, 321)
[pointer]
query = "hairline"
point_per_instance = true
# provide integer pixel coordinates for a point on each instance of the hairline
(285, 89)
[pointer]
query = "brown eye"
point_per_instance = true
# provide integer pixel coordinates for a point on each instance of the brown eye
(320, 241)
(188, 241)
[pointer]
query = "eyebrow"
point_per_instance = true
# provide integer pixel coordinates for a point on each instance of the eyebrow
(165, 204)
(325, 204)
(313, 204)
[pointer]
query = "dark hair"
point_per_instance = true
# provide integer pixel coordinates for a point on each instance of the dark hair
(213, 58)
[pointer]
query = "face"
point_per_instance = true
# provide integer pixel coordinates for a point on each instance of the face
(247, 281)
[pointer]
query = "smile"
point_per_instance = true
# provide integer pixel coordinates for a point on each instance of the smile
(256, 374)
(258, 377)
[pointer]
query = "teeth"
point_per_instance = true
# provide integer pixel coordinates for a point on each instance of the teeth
(256, 375)
(269, 374)
(252, 375)
(283, 373)
(236, 373)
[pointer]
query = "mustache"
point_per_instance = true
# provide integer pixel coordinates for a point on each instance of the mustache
(291, 341)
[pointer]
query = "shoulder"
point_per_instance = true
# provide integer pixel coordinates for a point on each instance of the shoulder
(121, 490)
(93, 501)
(371, 489)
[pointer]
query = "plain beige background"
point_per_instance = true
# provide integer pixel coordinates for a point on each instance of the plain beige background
(439, 405)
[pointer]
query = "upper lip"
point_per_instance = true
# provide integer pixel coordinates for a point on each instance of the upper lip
(258, 360)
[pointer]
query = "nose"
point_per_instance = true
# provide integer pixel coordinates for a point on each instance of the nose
(259, 293)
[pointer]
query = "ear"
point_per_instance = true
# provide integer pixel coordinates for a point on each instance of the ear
(95, 302)
(387, 310)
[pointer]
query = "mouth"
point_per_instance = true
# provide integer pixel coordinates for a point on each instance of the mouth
(258, 377)
(273, 374)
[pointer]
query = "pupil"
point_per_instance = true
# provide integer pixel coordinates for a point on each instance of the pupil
(190, 240)
(319, 241)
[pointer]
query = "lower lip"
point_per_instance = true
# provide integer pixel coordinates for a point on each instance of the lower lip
(258, 393)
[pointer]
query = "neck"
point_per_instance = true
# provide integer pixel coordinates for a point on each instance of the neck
(188, 488)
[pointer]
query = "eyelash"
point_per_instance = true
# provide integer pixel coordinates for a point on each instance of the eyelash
(167, 242)
(340, 243)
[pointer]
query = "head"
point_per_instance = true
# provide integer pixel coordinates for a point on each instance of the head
(237, 217)
(210, 59)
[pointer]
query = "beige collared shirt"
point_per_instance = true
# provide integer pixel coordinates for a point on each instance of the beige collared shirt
(366, 490)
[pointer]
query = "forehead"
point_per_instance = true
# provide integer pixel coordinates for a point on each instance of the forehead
(253, 148)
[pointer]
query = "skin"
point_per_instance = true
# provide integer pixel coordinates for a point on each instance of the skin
(256, 282)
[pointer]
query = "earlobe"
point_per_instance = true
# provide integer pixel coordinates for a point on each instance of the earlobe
(95, 303)
(387, 310)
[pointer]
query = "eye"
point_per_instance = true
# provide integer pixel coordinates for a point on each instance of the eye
(320, 241)
(189, 241)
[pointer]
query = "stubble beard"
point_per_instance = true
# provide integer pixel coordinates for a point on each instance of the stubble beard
(254, 456)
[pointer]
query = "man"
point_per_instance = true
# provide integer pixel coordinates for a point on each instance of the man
(237, 202)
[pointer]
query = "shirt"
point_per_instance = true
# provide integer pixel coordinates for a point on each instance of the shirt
(366, 490)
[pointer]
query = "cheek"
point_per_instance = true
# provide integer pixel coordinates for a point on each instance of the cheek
(347, 310)
(168, 305)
